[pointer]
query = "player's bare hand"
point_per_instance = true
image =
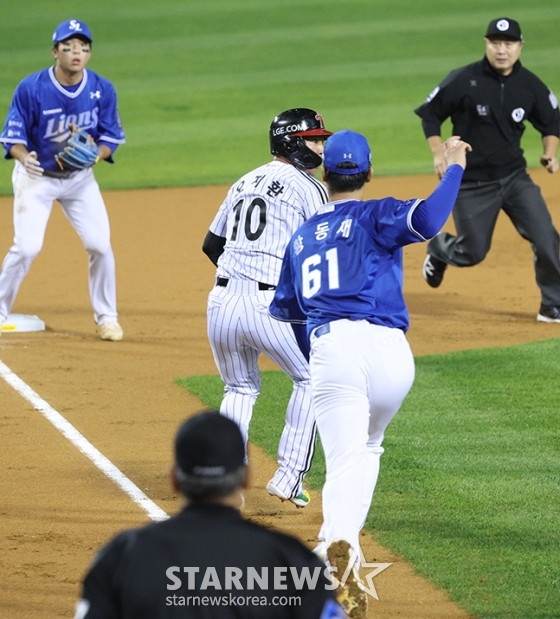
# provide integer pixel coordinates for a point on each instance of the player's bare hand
(455, 151)
(32, 165)
(550, 163)
(440, 165)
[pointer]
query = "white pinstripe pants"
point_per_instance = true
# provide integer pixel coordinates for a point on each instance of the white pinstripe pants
(240, 329)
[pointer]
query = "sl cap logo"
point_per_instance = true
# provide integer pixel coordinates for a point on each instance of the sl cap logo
(503, 25)
(75, 25)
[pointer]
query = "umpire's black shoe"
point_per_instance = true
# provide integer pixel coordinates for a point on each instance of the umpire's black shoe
(549, 313)
(433, 271)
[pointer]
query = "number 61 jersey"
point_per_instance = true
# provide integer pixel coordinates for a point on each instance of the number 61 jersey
(258, 217)
(346, 262)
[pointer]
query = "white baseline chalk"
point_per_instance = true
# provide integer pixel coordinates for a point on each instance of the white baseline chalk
(81, 442)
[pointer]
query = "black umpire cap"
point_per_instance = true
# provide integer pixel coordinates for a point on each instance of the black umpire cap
(209, 446)
(504, 27)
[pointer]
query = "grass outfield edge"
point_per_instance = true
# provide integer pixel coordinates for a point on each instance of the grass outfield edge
(467, 486)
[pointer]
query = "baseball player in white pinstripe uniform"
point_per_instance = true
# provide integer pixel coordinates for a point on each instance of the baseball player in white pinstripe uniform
(246, 241)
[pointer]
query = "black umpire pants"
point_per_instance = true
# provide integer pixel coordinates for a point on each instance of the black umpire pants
(475, 214)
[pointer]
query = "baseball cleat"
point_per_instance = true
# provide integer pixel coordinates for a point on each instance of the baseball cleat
(549, 313)
(111, 331)
(433, 270)
(300, 500)
(350, 591)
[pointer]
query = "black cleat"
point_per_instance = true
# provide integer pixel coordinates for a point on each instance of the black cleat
(433, 271)
(549, 313)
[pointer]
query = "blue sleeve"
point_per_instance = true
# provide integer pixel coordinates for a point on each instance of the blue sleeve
(285, 305)
(332, 610)
(302, 339)
(15, 127)
(109, 127)
(430, 215)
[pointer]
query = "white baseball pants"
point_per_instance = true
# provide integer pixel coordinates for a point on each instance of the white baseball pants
(83, 205)
(360, 375)
(240, 329)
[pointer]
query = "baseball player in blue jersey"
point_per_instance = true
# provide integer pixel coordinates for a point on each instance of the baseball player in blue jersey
(246, 241)
(61, 121)
(342, 279)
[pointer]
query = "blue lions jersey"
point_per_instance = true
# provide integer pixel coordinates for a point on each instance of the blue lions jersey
(42, 111)
(346, 262)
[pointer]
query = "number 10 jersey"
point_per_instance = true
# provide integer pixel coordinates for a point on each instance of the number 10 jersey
(261, 212)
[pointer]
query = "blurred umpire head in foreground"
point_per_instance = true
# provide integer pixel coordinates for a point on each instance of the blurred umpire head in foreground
(210, 462)
(182, 566)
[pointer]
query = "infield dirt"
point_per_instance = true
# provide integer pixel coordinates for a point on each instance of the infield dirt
(56, 508)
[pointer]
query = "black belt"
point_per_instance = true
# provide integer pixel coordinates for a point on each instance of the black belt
(322, 330)
(61, 174)
(223, 281)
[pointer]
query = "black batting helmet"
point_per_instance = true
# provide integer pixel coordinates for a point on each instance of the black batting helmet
(288, 132)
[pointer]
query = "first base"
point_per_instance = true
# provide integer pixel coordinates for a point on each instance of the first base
(22, 322)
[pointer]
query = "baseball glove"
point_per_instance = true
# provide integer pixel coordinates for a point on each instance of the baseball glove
(81, 151)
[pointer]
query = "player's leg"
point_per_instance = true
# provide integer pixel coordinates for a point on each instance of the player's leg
(391, 375)
(297, 443)
(341, 408)
(475, 214)
(84, 207)
(528, 212)
(341, 364)
(33, 200)
(237, 363)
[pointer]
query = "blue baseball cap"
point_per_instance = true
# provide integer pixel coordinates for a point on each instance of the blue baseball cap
(69, 29)
(347, 147)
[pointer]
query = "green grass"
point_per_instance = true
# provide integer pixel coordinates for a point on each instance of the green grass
(200, 81)
(469, 491)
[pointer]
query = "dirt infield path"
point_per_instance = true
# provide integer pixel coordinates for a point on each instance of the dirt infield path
(56, 508)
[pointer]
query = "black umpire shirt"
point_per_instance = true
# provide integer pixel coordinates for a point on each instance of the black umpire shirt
(489, 110)
(205, 562)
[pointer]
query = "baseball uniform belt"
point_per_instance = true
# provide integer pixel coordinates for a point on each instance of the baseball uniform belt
(322, 330)
(223, 281)
(61, 174)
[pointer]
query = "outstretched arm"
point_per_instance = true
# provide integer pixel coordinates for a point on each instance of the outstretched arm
(429, 217)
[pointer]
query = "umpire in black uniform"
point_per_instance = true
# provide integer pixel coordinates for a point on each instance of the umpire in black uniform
(488, 103)
(207, 561)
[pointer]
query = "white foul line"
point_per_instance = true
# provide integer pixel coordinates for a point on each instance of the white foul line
(81, 442)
